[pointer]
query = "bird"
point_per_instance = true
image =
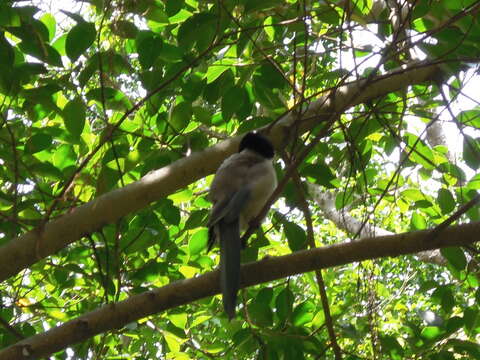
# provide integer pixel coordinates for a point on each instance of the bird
(242, 185)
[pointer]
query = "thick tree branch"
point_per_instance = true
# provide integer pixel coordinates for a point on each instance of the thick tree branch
(341, 218)
(351, 225)
(114, 316)
(35, 245)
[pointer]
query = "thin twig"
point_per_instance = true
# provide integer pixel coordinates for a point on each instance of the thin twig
(318, 273)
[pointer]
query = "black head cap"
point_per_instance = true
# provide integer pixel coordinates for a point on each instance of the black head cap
(258, 143)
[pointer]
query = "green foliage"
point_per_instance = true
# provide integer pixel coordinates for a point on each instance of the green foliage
(94, 98)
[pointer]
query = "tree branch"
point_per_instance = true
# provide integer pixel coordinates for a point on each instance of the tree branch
(117, 315)
(351, 225)
(25, 250)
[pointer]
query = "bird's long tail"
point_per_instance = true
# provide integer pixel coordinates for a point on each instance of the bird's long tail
(229, 264)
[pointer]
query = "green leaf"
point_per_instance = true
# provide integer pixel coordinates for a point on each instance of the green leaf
(328, 14)
(421, 153)
(445, 201)
(144, 240)
(260, 310)
(470, 118)
(265, 95)
(454, 323)
(455, 257)
(106, 180)
(64, 156)
(196, 219)
(471, 316)
(270, 77)
(421, 9)
(198, 242)
(461, 347)
(170, 53)
(7, 55)
(269, 30)
(9, 15)
(170, 212)
(253, 123)
(474, 183)
(207, 27)
(260, 313)
(79, 39)
(303, 313)
(114, 99)
(418, 221)
(471, 152)
(124, 29)
(173, 6)
(431, 332)
(47, 170)
(38, 142)
(49, 21)
(392, 347)
(344, 198)
(149, 272)
(149, 46)
(284, 304)
(217, 69)
(179, 320)
(41, 51)
(202, 115)
(232, 101)
(189, 32)
(57, 314)
(74, 117)
(297, 239)
(155, 13)
(181, 116)
(320, 173)
(254, 5)
(173, 341)
(443, 295)
(59, 44)
(179, 17)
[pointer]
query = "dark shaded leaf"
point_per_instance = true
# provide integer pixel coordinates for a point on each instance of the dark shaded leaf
(38, 142)
(232, 101)
(7, 54)
(259, 307)
(455, 257)
(445, 201)
(471, 152)
(180, 116)
(296, 236)
(114, 99)
(79, 39)
(149, 46)
(392, 347)
(303, 313)
(124, 29)
(320, 173)
(74, 117)
(170, 212)
(284, 304)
